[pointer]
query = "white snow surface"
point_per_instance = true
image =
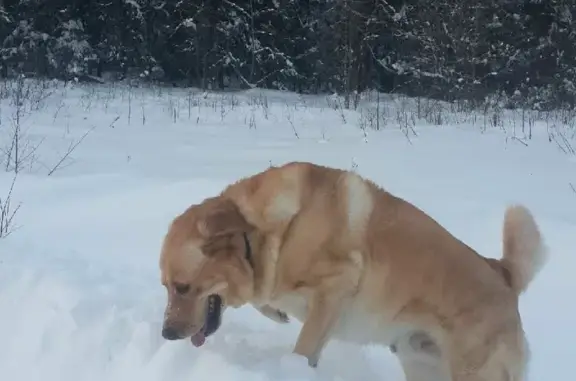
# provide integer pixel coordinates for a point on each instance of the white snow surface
(80, 295)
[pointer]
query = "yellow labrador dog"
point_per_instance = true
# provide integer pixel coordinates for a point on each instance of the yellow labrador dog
(351, 262)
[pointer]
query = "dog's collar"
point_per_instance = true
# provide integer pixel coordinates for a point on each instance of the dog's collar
(248, 250)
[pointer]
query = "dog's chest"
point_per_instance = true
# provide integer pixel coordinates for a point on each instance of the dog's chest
(355, 324)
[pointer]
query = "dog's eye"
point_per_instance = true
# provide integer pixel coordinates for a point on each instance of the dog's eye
(182, 288)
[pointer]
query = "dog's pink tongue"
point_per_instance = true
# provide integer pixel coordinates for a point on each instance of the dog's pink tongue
(198, 339)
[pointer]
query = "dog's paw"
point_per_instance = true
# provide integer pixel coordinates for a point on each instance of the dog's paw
(282, 317)
(313, 363)
(274, 314)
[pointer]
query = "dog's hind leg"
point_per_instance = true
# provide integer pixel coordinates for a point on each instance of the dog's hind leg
(501, 358)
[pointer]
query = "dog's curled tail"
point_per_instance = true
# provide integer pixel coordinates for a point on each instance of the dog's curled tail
(524, 252)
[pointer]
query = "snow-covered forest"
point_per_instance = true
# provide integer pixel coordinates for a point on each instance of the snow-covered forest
(522, 51)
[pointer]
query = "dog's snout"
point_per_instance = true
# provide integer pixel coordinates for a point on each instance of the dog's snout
(169, 333)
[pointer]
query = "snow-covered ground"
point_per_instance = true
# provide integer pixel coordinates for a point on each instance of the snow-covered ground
(80, 296)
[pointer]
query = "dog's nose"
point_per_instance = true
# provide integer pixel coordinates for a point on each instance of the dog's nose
(170, 333)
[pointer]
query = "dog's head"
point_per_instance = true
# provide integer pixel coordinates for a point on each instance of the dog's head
(204, 267)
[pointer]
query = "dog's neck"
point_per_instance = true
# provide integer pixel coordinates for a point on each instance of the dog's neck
(252, 250)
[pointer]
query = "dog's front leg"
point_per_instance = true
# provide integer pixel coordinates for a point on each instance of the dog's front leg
(323, 313)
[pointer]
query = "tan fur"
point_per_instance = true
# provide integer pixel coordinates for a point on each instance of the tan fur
(356, 263)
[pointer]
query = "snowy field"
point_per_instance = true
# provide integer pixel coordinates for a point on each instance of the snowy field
(104, 169)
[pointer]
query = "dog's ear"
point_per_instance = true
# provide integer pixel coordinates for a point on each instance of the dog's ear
(223, 218)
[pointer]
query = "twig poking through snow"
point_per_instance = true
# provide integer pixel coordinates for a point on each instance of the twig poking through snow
(71, 149)
(6, 213)
(520, 141)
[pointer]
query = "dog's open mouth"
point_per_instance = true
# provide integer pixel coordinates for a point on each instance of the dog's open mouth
(211, 322)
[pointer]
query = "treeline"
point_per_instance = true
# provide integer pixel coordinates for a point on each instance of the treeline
(523, 50)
